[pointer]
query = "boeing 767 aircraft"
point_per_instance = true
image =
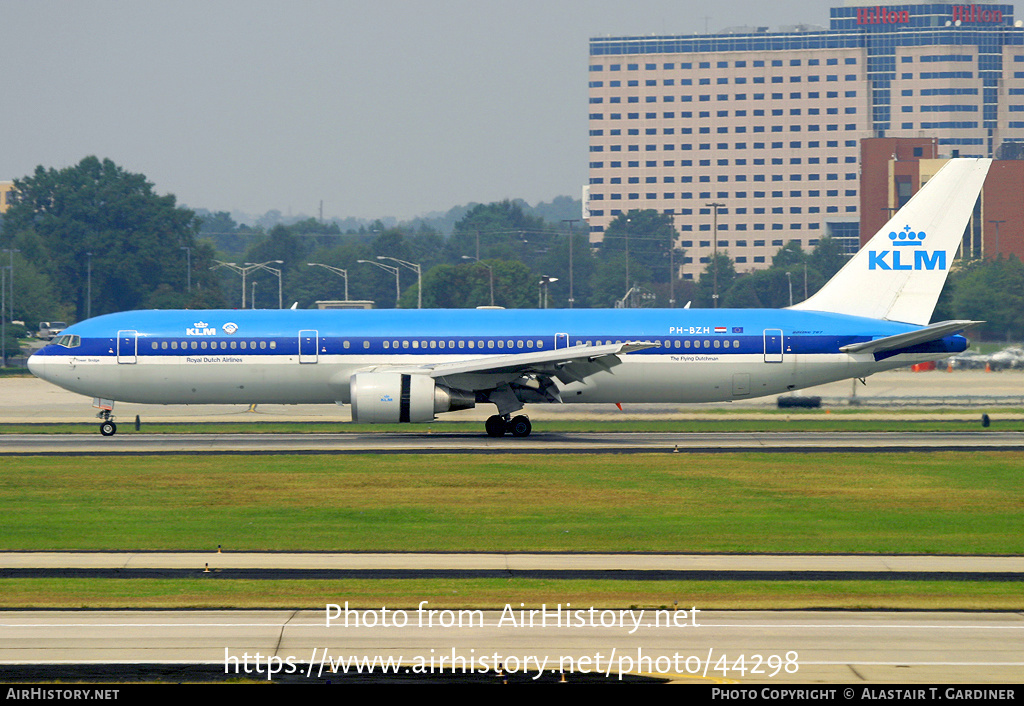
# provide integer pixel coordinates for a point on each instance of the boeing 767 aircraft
(408, 366)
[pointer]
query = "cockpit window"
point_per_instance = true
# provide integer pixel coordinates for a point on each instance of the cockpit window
(68, 341)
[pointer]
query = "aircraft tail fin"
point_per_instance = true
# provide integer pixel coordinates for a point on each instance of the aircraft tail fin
(899, 274)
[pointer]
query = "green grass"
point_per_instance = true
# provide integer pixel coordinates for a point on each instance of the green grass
(494, 594)
(941, 503)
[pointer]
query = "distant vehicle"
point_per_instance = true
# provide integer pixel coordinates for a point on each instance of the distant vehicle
(48, 330)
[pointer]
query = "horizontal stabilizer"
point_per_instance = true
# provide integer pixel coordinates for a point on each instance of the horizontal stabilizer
(911, 338)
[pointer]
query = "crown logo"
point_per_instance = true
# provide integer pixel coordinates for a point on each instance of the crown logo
(907, 238)
(200, 324)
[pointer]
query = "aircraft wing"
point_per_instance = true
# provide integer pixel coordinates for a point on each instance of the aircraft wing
(911, 338)
(572, 364)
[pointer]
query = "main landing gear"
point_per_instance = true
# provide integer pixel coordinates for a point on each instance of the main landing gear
(497, 425)
(107, 426)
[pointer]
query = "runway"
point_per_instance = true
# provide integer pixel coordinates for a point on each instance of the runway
(546, 442)
(773, 647)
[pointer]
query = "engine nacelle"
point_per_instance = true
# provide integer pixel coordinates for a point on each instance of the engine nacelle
(391, 398)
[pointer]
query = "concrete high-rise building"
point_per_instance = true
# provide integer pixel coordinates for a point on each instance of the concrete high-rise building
(6, 187)
(770, 123)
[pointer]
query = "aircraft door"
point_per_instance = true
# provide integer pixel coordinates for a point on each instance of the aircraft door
(561, 340)
(773, 345)
(309, 341)
(127, 346)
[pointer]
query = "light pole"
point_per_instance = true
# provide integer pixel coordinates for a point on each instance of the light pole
(419, 276)
(335, 270)
(252, 298)
(672, 276)
(570, 221)
(542, 291)
(10, 300)
(272, 270)
(241, 270)
(714, 236)
(88, 287)
(188, 266)
(393, 270)
(789, 277)
(627, 254)
(490, 273)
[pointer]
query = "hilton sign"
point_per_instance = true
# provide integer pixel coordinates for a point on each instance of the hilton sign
(961, 13)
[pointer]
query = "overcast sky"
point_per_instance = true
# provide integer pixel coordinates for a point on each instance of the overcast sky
(379, 108)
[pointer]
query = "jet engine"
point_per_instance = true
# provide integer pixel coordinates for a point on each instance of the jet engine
(389, 398)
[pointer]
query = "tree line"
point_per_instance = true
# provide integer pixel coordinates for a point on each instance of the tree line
(93, 239)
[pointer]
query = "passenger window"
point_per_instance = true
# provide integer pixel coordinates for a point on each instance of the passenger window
(725, 344)
(366, 344)
(263, 345)
(64, 341)
(273, 345)
(405, 344)
(717, 343)
(686, 343)
(345, 345)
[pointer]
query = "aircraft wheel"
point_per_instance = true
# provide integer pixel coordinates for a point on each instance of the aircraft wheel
(520, 426)
(108, 428)
(495, 426)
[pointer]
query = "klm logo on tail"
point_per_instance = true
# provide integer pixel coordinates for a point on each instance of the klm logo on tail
(897, 259)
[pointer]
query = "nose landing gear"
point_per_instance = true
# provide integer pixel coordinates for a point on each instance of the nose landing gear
(500, 425)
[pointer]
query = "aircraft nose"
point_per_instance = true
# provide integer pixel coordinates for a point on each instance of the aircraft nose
(37, 365)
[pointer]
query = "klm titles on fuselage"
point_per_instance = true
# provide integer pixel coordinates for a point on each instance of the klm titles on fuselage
(201, 328)
(897, 259)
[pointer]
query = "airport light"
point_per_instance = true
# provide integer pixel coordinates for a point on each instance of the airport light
(273, 270)
(335, 270)
(570, 221)
(88, 287)
(419, 276)
(490, 272)
(188, 266)
(542, 291)
(240, 270)
(393, 270)
(714, 239)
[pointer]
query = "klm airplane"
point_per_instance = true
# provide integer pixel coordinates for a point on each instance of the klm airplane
(408, 366)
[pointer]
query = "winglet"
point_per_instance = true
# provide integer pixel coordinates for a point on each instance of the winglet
(899, 274)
